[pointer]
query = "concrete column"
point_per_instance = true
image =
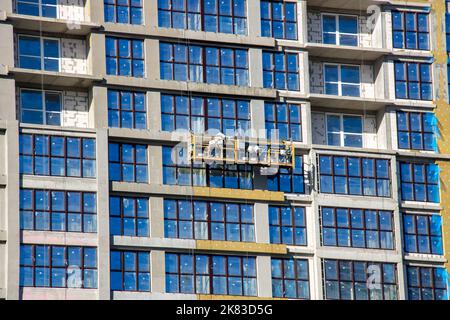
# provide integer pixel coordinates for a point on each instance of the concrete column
(6, 48)
(306, 123)
(103, 215)
(254, 18)
(152, 59)
(258, 121)
(12, 203)
(261, 214)
(98, 108)
(255, 67)
(154, 110)
(97, 54)
(156, 217)
(155, 164)
(302, 20)
(8, 98)
(96, 11)
(158, 271)
(264, 276)
(150, 13)
(7, 6)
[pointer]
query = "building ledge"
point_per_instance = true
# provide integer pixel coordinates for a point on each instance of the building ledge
(51, 78)
(426, 258)
(359, 254)
(343, 102)
(229, 297)
(236, 247)
(252, 195)
(53, 25)
(345, 52)
(59, 238)
(131, 295)
(346, 4)
(145, 242)
(411, 53)
(423, 206)
(29, 293)
(414, 103)
(191, 87)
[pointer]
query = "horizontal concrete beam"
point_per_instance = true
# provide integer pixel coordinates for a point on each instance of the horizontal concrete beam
(352, 103)
(343, 52)
(149, 243)
(346, 4)
(60, 238)
(123, 295)
(389, 256)
(43, 24)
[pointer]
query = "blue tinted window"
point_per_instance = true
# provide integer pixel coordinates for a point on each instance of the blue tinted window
(344, 130)
(211, 274)
(281, 70)
(43, 8)
(58, 266)
(290, 278)
(423, 233)
(286, 118)
(40, 107)
(57, 156)
(38, 53)
(126, 109)
(342, 80)
(289, 180)
(129, 216)
(128, 162)
(340, 30)
(130, 271)
(287, 225)
(355, 176)
(413, 81)
(410, 30)
(125, 57)
(417, 131)
(341, 276)
(279, 19)
(227, 16)
(120, 11)
(419, 182)
(426, 283)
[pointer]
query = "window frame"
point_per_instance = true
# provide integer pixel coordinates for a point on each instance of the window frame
(342, 133)
(275, 123)
(209, 221)
(426, 184)
(410, 132)
(283, 21)
(51, 212)
(49, 249)
(273, 71)
(418, 82)
(420, 287)
(350, 228)
(296, 277)
(135, 216)
(416, 32)
(42, 56)
(417, 235)
(292, 225)
(44, 105)
(117, 57)
(337, 32)
(40, 6)
(136, 272)
(129, 6)
(134, 163)
(339, 83)
(132, 110)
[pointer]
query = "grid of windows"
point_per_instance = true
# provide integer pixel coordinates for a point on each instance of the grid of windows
(423, 233)
(340, 29)
(57, 156)
(224, 16)
(419, 182)
(209, 220)
(290, 278)
(123, 11)
(199, 114)
(425, 283)
(128, 162)
(354, 176)
(211, 274)
(42, 8)
(279, 19)
(349, 280)
(129, 216)
(281, 70)
(287, 225)
(176, 171)
(126, 109)
(38, 53)
(40, 107)
(283, 121)
(196, 63)
(130, 271)
(289, 180)
(413, 81)
(125, 57)
(417, 130)
(410, 30)
(58, 266)
(344, 130)
(342, 80)
(357, 228)
(48, 210)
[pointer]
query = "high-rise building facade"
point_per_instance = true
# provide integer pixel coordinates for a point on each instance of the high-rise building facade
(201, 149)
